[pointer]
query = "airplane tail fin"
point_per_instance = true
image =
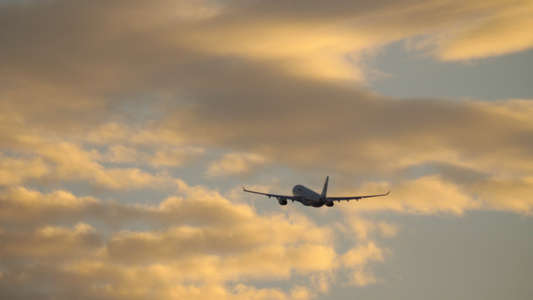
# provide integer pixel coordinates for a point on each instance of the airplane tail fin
(325, 189)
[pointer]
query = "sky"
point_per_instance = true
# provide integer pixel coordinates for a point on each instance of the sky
(128, 128)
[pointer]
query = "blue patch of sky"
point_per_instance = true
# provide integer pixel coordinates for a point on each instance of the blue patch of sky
(485, 255)
(412, 74)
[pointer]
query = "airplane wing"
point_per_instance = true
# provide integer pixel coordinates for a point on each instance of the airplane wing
(354, 197)
(273, 195)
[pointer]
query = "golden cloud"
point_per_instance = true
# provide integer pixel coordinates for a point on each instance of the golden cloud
(298, 38)
(190, 254)
(66, 161)
(506, 194)
(235, 163)
(23, 206)
(362, 229)
(506, 29)
(50, 242)
(357, 258)
(93, 96)
(16, 171)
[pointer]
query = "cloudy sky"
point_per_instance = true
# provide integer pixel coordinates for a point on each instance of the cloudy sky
(128, 127)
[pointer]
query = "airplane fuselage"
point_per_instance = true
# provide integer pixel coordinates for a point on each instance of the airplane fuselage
(307, 196)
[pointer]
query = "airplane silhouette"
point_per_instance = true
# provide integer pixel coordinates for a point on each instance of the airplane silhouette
(309, 197)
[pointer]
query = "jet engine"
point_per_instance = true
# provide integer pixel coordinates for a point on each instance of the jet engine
(282, 201)
(329, 203)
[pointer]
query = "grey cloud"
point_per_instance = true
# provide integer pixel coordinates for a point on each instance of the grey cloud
(219, 86)
(100, 48)
(99, 54)
(307, 122)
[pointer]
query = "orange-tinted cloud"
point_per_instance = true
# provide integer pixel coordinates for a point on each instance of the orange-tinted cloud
(49, 242)
(196, 243)
(235, 163)
(118, 96)
(356, 260)
(504, 28)
(237, 97)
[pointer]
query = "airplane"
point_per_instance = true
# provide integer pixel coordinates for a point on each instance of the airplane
(309, 197)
